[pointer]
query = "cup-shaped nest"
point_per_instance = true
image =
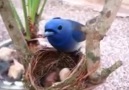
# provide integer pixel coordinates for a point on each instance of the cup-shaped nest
(46, 64)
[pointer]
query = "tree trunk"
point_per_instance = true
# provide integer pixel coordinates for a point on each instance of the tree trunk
(15, 33)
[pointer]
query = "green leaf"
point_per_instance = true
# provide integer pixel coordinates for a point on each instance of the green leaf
(29, 4)
(42, 9)
(28, 35)
(35, 6)
(20, 25)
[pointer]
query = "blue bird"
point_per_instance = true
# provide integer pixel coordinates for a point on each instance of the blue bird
(64, 35)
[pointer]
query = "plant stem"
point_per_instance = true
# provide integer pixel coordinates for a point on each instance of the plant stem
(35, 6)
(17, 17)
(28, 34)
(29, 3)
(41, 10)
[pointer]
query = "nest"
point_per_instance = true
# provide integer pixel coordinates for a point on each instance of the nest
(47, 63)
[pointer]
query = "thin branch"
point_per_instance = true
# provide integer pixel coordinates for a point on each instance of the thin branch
(107, 71)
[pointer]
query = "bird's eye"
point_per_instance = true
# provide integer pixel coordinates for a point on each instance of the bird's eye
(59, 27)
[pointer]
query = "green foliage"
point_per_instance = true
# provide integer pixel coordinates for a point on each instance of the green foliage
(17, 17)
(31, 15)
(33, 8)
(26, 19)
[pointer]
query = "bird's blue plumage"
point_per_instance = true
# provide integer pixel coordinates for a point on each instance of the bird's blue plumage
(78, 35)
(64, 35)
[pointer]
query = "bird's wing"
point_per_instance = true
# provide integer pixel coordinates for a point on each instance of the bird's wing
(77, 34)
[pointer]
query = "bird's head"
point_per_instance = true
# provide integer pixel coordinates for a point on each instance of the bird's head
(57, 28)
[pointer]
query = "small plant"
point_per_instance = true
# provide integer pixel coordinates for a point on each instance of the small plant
(32, 10)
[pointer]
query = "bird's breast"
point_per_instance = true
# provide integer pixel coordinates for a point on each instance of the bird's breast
(65, 45)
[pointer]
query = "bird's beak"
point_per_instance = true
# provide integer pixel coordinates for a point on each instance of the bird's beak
(48, 33)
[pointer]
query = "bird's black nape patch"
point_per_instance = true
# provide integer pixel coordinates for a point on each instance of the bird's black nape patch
(56, 18)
